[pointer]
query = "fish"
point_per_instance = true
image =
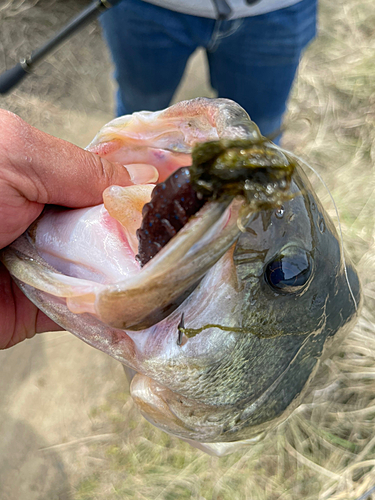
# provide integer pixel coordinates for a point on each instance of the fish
(223, 328)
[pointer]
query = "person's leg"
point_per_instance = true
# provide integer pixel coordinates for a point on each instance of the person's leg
(256, 64)
(150, 47)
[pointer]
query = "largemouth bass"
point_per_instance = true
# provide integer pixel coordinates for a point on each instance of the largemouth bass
(223, 329)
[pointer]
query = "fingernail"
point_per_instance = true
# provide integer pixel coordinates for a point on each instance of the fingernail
(142, 173)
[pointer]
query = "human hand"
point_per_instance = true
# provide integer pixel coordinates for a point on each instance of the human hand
(37, 169)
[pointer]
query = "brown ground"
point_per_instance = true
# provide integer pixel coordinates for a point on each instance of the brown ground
(67, 431)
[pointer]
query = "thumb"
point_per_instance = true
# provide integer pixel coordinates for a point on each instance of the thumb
(54, 171)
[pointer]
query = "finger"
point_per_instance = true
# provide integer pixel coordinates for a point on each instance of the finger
(45, 324)
(51, 170)
(20, 318)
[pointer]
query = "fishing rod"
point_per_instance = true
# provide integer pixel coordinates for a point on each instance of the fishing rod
(13, 76)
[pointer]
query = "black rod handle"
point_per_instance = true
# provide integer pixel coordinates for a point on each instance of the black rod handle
(13, 76)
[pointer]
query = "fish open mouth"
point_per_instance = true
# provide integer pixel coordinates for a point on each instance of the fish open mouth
(87, 257)
(131, 261)
(161, 247)
(197, 213)
(251, 172)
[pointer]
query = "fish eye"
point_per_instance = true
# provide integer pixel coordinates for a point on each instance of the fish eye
(290, 271)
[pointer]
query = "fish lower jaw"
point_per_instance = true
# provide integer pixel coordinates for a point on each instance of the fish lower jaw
(158, 405)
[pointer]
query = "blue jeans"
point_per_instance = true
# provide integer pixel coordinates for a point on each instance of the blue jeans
(251, 60)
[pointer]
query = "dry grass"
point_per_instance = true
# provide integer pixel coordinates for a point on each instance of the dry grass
(326, 449)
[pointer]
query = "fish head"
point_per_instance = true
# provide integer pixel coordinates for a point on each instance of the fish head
(255, 329)
(224, 328)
